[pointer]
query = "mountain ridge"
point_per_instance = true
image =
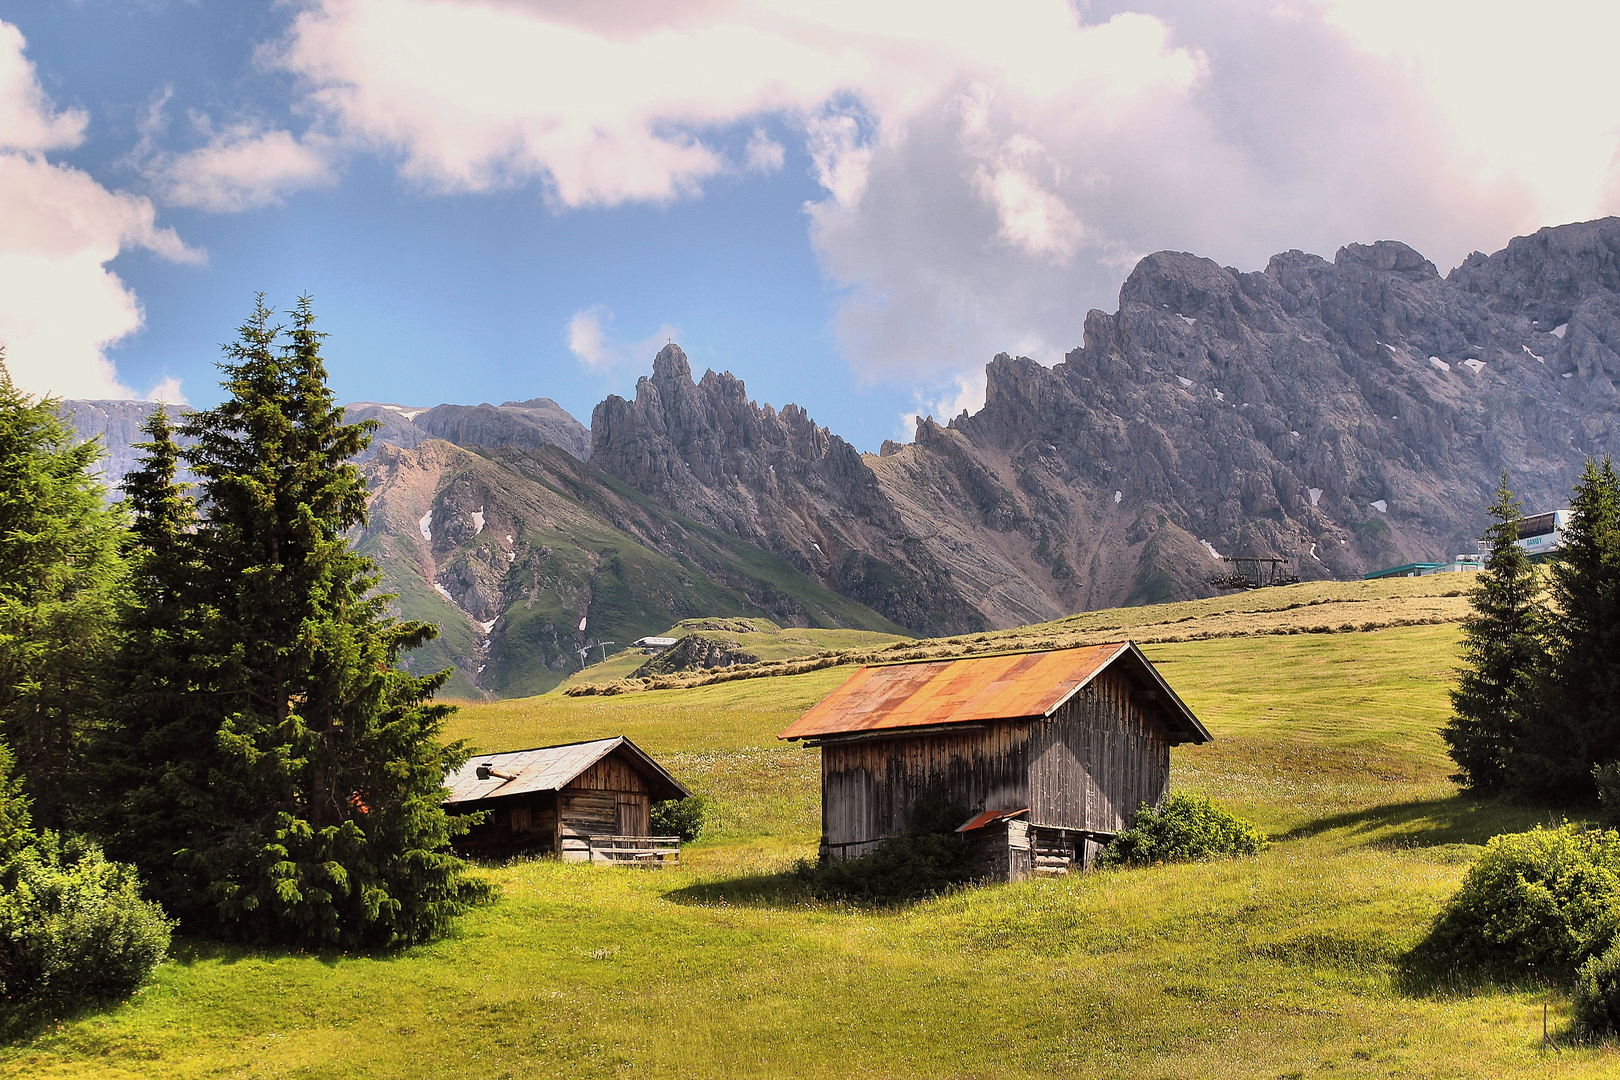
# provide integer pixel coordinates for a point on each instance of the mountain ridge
(1347, 414)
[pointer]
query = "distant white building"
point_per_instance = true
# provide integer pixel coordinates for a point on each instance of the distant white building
(1543, 534)
(651, 645)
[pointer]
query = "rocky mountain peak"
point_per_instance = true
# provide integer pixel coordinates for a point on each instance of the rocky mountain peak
(773, 478)
(670, 365)
(1389, 256)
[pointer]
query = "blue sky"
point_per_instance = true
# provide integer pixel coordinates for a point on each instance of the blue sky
(850, 206)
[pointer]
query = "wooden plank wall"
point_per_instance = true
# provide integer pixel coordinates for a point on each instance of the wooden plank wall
(1100, 757)
(590, 807)
(868, 787)
(582, 814)
(610, 774)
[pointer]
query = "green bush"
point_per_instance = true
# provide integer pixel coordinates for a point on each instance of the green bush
(1187, 826)
(73, 925)
(1597, 995)
(928, 859)
(680, 817)
(1537, 904)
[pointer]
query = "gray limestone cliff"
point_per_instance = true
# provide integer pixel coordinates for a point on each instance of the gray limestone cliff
(777, 480)
(1347, 415)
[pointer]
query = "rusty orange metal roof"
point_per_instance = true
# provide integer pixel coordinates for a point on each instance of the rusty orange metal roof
(986, 817)
(961, 691)
(981, 689)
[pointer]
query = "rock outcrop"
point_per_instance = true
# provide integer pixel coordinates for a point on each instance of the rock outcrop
(522, 425)
(695, 652)
(779, 481)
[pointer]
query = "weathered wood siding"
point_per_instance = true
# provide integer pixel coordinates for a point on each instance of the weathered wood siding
(869, 786)
(608, 799)
(1100, 757)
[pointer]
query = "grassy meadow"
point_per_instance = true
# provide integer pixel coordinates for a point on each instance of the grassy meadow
(1275, 966)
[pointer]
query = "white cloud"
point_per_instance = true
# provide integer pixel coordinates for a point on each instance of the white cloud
(586, 338)
(167, 391)
(1032, 217)
(589, 342)
(764, 154)
(28, 121)
(60, 307)
(242, 166)
(991, 171)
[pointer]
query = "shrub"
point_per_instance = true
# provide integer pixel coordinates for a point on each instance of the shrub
(1597, 995)
(73, 925)
(680, 817)
(928, 859)
(1187, 826)
(1536, 903)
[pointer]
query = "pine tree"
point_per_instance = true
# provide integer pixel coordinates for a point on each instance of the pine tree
(318, 818)
(59, 574)
(154, 763)
(1577, 720)
(1501, 642)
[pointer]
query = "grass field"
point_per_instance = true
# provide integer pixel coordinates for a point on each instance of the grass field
(1276, 966)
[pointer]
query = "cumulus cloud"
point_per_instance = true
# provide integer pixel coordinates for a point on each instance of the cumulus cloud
(990, 172)
(241, 167)
(60, 307)
(588, 340)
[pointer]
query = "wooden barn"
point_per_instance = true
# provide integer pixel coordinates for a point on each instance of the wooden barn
(1056, 750)
(558, 798)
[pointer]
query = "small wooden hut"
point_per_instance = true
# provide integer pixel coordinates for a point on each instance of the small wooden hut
(1056, 749)
(585, 801)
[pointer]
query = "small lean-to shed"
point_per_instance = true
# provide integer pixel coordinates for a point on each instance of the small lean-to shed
(1056, 750)
(555, 798)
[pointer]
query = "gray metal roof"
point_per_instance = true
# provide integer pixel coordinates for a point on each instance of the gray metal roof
(550, 768)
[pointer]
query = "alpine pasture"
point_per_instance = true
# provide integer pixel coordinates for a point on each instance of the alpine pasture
(1279, 965)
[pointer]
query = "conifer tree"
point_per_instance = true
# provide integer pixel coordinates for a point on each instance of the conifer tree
(1577, 720)
(1500, 647)
(317, 818)
(59, 574)
(152, 787)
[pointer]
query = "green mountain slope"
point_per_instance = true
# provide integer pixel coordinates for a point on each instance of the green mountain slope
(530, 560)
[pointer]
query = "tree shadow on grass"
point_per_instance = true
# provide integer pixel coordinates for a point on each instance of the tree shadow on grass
(1459, 819)
(781, 890)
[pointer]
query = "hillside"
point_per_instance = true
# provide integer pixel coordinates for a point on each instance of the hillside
(1279, 965)
(526, 560)
(1306, 608)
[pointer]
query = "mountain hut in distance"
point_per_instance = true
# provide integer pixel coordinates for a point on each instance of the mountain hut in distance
(1056, 750)
(585, 802)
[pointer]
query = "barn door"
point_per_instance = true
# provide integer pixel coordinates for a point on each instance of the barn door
(633, 815)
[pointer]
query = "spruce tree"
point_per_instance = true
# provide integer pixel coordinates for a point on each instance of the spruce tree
(1500, 646)
(1577, 720)
(59, 575)
(317, 817)
(154, 763)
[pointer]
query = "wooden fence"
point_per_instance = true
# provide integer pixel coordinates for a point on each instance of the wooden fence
(634, 850)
